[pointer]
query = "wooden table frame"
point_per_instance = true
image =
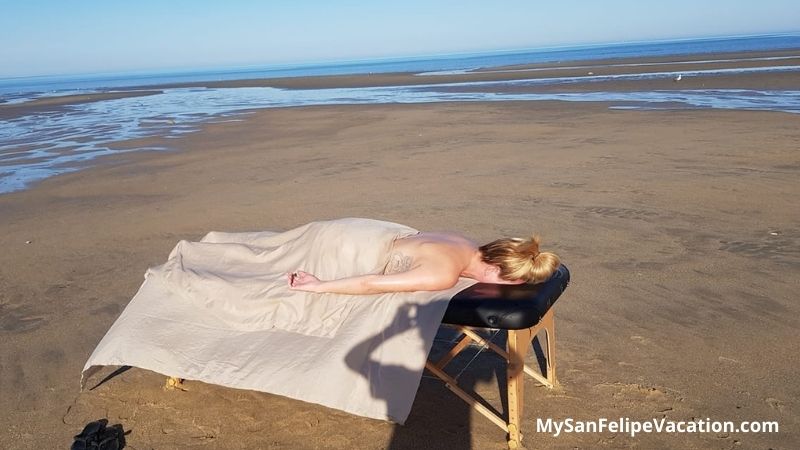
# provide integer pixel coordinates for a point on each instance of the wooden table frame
(518, 345)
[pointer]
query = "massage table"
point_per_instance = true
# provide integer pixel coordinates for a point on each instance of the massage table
(524, 311)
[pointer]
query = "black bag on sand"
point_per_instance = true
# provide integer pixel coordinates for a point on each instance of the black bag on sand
(97, 436)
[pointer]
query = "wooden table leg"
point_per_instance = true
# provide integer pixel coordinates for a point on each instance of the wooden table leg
(518, 343)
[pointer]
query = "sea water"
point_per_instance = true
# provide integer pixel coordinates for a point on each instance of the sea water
(46, 143)
(449, 62)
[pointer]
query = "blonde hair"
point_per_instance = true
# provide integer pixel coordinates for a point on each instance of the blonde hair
(520, 259)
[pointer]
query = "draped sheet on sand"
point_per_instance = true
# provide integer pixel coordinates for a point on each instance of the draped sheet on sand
(220, 311)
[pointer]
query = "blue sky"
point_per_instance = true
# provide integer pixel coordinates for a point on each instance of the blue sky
(65, 37)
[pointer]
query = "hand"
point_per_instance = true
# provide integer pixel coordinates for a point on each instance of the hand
(303, 281)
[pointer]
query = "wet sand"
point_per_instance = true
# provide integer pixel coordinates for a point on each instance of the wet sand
(680, 229)
(573, 69)
(581, 69)
(45, 104)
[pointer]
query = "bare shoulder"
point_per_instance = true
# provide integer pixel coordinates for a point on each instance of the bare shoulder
(436, 237)
(439, 252)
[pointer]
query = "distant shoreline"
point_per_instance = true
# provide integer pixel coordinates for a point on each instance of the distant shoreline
(548, 70)
(613, 66)
(589, 53)
(55, 134)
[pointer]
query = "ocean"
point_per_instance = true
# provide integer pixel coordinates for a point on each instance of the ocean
(16, 87)
(41, 144)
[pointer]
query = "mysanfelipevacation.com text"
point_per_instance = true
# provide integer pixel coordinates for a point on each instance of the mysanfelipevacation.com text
(662, 425)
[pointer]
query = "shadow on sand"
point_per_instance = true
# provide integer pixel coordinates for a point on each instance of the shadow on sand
(438, 418)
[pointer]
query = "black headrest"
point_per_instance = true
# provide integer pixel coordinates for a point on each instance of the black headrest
(510, 307)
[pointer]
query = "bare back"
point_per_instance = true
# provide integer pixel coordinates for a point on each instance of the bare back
(423, 262)
(432, 251)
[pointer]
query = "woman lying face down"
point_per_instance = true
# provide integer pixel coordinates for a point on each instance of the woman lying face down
(435, 261)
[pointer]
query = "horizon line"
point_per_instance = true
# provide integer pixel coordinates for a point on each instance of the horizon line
(353, 61)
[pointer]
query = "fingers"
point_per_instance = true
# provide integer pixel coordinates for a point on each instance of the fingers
(300, 280)
(296, 277)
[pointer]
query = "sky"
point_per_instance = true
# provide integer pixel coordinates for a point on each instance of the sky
(52, 37)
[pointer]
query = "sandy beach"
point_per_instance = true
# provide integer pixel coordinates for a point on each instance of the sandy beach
(680, 229)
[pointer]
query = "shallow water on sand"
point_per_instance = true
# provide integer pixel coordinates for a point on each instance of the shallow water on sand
(41, 144)
(48, 141)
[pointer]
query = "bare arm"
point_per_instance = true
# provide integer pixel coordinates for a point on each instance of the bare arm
(421, 278)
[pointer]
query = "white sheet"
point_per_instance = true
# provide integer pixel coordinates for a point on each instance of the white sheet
(219, 311)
